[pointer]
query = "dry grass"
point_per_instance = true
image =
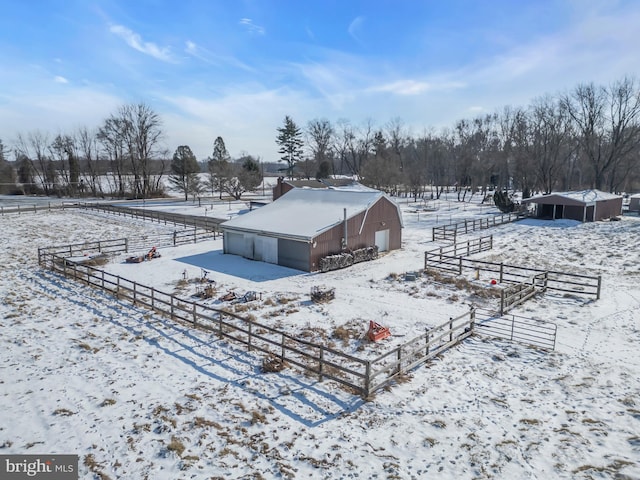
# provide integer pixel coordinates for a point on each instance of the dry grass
(273, 364)
(176, 446)
(63, 412)
(96, 468)
(108, 401)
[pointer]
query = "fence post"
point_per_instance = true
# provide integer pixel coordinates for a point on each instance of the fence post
(472, 315)
(367, 379)
(459, 265)
(321, 362)
(450, 329)
(249, 337)
(427, 339)
(171, 307)
(126, 245)
(501, 302)
(501, 271)
(399, 357)
(195, 319)
(152, 298)
(134, 293)
(599, 286)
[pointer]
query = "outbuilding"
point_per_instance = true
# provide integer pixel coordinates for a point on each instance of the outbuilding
(306, 225)
(584, 206)
(283, 185)
(634, 203)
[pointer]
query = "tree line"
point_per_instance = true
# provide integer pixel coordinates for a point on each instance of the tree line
(124, 157)
(588, 137)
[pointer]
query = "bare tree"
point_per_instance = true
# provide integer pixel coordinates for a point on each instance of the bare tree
(320, 140)
(550, 139)
(34, 147)
(87, 142)
(606, 120)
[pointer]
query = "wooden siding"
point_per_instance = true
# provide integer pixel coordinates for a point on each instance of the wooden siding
(383, 215)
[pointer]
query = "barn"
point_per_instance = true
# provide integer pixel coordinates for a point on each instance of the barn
(305, 225)
(283, 186)
(584, 206)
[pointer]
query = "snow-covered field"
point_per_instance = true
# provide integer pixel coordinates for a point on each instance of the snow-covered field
(138, 397)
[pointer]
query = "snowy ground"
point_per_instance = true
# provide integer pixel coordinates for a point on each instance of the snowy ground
(138, 397)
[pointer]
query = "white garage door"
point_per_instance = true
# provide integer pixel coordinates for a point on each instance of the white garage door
(266, 249)
(234, 243)
(382, 240)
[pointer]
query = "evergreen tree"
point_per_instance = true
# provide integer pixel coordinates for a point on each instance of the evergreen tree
(184, 171)
(290, 141)
(219, 167)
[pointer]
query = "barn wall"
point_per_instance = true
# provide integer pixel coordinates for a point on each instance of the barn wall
(608, 208)
(383, 215)
(574, 213)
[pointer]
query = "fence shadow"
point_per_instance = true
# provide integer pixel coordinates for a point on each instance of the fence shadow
(240, 267)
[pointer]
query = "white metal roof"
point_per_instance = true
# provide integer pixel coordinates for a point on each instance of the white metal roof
(584, 196)
(304, 212)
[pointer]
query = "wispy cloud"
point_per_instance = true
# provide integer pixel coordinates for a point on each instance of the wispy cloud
(355, 28)
(403, 87)
(135, 41)
(210, 58)
(59, 79)
(251, 27)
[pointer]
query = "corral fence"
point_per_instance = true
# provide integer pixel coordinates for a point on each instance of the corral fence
(361, 376)
(535, 333)
(570, 283)
(457, 249)
(127, 245)
(35, 208)
(516, 294)
(211, 224)
(386, 369)
(449, 233)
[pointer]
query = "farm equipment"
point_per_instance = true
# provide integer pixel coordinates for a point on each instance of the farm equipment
(151, 254)
(321, 294)
(227, 297)
(249, 296)
(207, 291)
(377, 332)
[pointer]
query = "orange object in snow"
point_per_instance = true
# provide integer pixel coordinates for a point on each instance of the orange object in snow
(377, 332)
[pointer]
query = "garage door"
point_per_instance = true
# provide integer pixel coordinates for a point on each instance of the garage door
(265, 249)
(382, 240)
(293, 254)
(233, 243)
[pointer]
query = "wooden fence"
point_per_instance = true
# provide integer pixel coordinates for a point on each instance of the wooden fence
(205, 223)
(361, 376)
(35, 208)
(385, 369)
(536, 333)
(457, 249)
(450, 232)
(139, 244)
(573, 283)
(516, 294)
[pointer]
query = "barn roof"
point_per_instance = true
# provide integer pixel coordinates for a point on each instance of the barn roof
(305, 213)
(584, 197)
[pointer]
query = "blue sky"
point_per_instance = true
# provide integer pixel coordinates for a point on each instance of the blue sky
(235, 68)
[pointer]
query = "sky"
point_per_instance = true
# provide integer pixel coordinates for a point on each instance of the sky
(236, 68)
